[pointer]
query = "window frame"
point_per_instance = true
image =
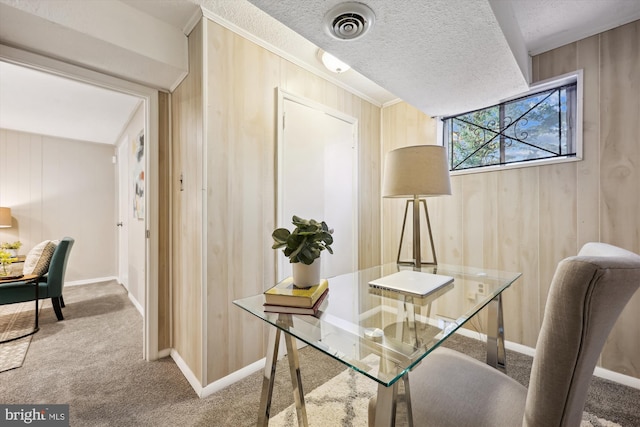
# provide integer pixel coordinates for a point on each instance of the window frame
(555, 82)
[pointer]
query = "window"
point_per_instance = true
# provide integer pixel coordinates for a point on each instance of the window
(542, 125)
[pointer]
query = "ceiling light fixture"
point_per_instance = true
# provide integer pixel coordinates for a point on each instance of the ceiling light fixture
(332, 63)
(349, 21)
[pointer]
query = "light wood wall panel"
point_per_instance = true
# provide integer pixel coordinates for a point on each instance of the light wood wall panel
(241, 96)
(529, 219)
(164, 217)
(404, 125)
(517, 204)
(186, 211)
(607, 201)
(241, 82)
(588, 170)
(620, 175)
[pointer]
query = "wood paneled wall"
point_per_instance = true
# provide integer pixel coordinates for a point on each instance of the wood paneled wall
(522, 219)
(164, 217)
(242, 80)
(402, 125)
(529, 219)
(186, 211)
(226, 154)
(602, 192)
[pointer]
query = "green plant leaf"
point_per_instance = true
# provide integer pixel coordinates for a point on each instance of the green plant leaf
(306, 242)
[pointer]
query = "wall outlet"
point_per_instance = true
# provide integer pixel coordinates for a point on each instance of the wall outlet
(473, 290)
(482, 289)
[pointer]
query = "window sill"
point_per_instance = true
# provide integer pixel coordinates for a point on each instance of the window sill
(519, 165)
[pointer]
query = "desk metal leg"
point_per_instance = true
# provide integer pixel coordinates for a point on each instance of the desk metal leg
(386, 405)
(496, 355)
(269, 376)
(270, 372)
(407, 398)
(296, 380)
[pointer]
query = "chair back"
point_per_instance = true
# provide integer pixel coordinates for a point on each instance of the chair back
(588, 292)
(58, 267)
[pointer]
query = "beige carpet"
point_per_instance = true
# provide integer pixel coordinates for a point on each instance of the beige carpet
(15, 320)
(343, 402)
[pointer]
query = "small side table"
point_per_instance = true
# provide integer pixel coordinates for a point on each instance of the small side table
(29, 279)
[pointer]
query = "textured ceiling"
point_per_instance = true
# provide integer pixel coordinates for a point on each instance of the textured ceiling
(451, 56)
(547, 24)
(240, 15)
(443, 56)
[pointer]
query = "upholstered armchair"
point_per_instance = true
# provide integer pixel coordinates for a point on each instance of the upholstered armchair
(587, 294)
(51, 282)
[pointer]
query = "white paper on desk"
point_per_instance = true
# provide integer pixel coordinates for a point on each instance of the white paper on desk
(411, 282)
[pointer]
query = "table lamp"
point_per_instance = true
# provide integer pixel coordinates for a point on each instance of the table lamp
(5, 217)
(416, 172)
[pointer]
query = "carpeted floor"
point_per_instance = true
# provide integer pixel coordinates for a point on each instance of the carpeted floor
(93, 361)
(344, 401)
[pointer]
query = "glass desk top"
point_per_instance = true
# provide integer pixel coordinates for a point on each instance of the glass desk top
(384, 334)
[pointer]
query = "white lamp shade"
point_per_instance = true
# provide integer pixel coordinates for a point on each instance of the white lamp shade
(419, 170)
(5, 217)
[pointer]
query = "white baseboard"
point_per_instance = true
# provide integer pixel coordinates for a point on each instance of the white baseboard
(617, 377)
(216, 385)
(232, 378)
(165, 352)
(90, 281)
(258, 365)
(136, 304)
(188, 374)
(606, 374)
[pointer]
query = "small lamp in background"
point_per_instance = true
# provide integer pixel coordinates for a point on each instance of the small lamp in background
(416, 172)
(5, 217)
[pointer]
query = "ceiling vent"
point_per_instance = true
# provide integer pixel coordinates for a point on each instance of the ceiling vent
(349, 21)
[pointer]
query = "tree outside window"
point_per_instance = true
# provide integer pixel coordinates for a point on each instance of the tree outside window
(533, 127)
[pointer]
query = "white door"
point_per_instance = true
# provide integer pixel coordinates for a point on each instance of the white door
(123, 212)
(317, 179)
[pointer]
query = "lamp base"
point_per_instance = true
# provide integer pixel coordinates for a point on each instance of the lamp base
(417, 261)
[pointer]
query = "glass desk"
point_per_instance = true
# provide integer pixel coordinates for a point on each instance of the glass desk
(383, 334)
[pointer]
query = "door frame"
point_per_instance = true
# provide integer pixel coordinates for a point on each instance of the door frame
(123, 200)
(150, 98)
(285, 95)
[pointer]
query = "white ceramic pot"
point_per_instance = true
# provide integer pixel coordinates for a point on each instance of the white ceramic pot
(305, 275)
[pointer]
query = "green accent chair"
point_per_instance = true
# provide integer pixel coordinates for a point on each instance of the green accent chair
(49, 286)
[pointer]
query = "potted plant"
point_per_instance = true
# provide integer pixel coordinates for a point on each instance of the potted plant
(11, 248)
(5, 260)
(303, 247)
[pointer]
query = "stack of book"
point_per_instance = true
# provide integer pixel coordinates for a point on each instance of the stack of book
(286, 298)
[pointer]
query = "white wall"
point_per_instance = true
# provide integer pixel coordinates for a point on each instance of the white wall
(58, 187)
(135, 227)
